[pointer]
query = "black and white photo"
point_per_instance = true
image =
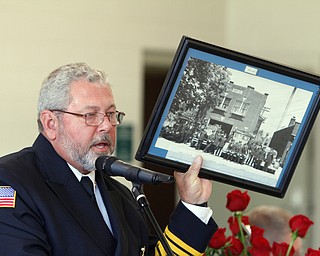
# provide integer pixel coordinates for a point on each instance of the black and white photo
(248, 118)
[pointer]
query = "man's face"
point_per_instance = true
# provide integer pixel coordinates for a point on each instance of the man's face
(78, 143)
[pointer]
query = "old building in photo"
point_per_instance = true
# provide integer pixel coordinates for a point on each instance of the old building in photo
(240, 112)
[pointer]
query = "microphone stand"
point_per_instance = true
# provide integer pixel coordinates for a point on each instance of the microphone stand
(140, 197)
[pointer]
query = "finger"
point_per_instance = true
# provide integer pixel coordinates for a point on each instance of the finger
(194, 169)
(196, 165)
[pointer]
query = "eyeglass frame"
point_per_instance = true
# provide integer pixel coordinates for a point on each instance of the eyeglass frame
(118, 114)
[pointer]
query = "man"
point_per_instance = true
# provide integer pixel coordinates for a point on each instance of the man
(48, 211)
(275, 222)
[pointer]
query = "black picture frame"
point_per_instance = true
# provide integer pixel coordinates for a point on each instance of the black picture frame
(261, 112)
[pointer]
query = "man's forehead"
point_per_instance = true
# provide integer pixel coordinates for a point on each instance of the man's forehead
(91, 96)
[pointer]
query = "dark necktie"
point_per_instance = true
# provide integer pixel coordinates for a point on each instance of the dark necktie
(88, 186)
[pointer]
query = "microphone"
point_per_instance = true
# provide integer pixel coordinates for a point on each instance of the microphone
(112, 166)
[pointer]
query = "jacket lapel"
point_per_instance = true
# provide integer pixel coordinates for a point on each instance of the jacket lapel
(113, 202)
(70, 193)
(120, 217)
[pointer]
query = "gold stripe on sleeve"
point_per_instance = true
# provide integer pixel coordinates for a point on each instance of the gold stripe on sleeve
(177, 246)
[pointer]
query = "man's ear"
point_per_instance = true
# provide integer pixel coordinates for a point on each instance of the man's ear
(50, 124)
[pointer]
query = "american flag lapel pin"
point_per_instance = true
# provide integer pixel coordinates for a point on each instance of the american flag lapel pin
(7, 197)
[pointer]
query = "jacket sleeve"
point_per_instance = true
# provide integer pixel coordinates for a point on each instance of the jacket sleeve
(186, 233)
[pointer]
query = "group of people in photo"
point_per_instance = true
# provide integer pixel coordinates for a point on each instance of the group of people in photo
(254, 152)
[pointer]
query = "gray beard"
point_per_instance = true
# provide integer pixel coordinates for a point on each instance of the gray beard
(85, 157)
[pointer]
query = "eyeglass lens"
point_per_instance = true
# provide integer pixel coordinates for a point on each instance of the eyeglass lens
(98, 118)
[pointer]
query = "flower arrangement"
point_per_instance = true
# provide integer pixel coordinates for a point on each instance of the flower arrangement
(253, 243)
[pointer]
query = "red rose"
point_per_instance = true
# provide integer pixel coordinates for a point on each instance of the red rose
(281, 249)
(259, 246)
(237, 201)
(256, 232)
(312, 252)
(235, 248)
(219, 239)
(301, 224)
(234, 225)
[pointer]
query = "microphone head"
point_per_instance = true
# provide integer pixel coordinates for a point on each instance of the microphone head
(103, 163)
(112, 166)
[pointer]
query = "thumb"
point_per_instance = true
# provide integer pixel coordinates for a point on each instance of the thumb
(196, 165)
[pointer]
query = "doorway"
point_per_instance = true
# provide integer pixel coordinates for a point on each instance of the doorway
(161, 197)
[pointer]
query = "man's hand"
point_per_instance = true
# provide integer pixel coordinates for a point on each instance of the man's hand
(192, 189)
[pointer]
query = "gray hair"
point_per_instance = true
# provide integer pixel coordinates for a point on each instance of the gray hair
(55, 90)
(274, 220)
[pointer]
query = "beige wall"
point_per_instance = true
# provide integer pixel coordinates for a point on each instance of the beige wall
(37, 36)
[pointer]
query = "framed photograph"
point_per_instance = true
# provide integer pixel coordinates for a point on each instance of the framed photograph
(247, 117)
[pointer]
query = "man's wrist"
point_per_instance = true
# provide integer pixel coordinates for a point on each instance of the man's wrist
(204, 213)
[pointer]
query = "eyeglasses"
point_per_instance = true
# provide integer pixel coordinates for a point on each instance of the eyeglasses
(97, 118)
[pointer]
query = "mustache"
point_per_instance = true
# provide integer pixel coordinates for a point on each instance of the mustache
(103, 138)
